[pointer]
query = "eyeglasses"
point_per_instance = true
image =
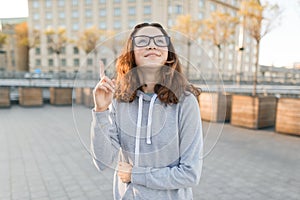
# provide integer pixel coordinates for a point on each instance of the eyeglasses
(144, 40)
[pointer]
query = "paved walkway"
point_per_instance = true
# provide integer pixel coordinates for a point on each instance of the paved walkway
(41, 157)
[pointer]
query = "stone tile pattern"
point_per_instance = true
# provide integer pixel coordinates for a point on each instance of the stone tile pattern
(42, 158)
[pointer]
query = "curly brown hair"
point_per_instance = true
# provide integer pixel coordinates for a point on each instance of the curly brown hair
(172, 85)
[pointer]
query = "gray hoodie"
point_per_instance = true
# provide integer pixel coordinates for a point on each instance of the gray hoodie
(164, 143)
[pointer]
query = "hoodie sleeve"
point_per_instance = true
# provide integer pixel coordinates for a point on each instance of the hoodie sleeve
(104, 139)
(187, 173)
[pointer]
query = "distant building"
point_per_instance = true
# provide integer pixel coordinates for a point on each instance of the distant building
(120, 16)
(297, 65)
(12, 56)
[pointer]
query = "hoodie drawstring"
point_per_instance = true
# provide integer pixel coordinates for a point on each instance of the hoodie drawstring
(138, 131)
(149, 124)
(139, 126)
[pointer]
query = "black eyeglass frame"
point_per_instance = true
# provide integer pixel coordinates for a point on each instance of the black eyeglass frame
(167, 38)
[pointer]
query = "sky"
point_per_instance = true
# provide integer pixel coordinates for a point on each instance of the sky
(280, 47)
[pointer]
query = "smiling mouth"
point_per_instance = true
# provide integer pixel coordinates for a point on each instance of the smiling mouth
(152, 54)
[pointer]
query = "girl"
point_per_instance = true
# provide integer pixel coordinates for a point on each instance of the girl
(147, 122)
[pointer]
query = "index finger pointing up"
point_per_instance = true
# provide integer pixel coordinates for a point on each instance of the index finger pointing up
(101, 65)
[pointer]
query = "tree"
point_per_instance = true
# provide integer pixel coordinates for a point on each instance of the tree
(88, 42)
(257, 25)
(56, 41)
(190, 28)
(24, 39)
(115, 42)
(3, 38)
(218, 29)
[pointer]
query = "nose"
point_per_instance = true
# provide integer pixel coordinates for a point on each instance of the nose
(151, 45)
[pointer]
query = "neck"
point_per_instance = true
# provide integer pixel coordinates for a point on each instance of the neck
(149, 76)
(148, 88)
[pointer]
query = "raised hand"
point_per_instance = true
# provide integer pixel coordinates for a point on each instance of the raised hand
(103, 92)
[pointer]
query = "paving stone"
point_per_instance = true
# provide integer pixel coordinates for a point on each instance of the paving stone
(42, 157)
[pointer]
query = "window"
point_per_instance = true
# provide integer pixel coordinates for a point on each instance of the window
(63, 50)
(201, 3)
(76, 62)
(117, 1)
(75, 50)
(213, 7)
(102, 25)
(102, 12)
(61, 3)
(35, 4)
(88, 2)
(62, 15)
(75, 14)
(88, 13)
(90, 61)
(234, 2)
(48, 15)
(74, 2)
(88, 24)
(50, 62)
(36, 16)
(37, 26)
(147, 20)
(147, 10)
(170, 9)
(50, 50)
(170, 23)
(178, 9)
(38, 62)
(230, 56)
(117, 11)
(102, 1)
(230, 66)
(131, 24)
(37, 51)
(117, 25)
(131, 11)
(200, 15)
(247, 58)
(48, 3)
(75, 26)
(63, 62)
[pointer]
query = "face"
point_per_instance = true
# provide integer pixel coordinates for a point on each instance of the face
(151, 54)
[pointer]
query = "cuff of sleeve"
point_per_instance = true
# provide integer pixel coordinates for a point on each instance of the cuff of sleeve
(99, 116)
(139, 175)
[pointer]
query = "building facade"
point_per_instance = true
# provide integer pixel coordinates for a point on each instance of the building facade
(14, 56)
(121, 16)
